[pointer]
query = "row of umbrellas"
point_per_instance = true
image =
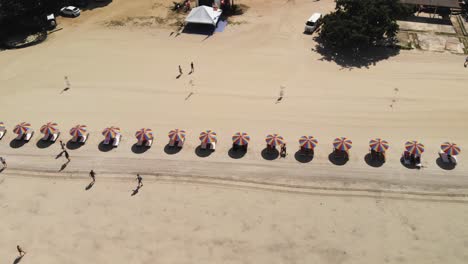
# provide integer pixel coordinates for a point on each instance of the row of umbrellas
(239, 138)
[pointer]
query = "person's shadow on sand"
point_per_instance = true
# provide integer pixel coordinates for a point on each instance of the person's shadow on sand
(90, 185)
(64, 166)
(17, 259)
(135, 191)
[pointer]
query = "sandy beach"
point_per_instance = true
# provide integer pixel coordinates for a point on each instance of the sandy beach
(219, 209)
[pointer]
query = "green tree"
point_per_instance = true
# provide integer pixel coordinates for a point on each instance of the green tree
(358, 24)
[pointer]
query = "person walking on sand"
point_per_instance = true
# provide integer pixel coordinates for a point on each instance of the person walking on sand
(180, 70)
(62, 145)
(20, 251)
(92, 175)
(67, 156)
(3, 161)
(466, 62)
(192, 69)
(283, 150)
(140, 181)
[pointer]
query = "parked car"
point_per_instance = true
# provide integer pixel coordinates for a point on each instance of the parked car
(51, 22)
(312, 23)
(70, 11)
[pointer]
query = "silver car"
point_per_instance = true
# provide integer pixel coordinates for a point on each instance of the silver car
(70, 11)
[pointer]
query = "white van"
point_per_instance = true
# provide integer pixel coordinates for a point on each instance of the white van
(312, 23)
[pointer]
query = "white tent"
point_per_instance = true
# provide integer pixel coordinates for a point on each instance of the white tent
(204, 15)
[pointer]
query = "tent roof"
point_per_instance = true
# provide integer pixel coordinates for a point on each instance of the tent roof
(441, 3)
(204, 15)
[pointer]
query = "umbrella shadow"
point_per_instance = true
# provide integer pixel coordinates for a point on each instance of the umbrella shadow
(74, 145)
(338, 161)
(412, 165)
(203, 153)
(376, 163)
(17, 143)
(237, 153)
(445, 166)
(105, 147)
(304, 157)
(270, 154)
(171, 150)
(139, 149)
(42, 144)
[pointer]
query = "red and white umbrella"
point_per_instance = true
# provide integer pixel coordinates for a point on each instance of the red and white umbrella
(308, 142)
(450, 148)
(379, 145)
(342, 143)
(111, 132)
(208, 137)
(22, 128)
(177, 135)
(144, 134)
(49, 129)
(274, 140)
(241, 138)
(414, 147)
(78, 131)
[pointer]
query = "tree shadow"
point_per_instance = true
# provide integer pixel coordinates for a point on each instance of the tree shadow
(270, 154)
(42, 144)
(376, 163)
(445, 166)
(203, 153)
(304, 157)
(17, 259)
(105, 147)
(350, 60)
(92, 4)
(339, 161)
(74, 145)
(237, 153)
(139, 149)
(17, 143)
(171, 150)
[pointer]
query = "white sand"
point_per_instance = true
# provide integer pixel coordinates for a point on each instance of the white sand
(125, 76)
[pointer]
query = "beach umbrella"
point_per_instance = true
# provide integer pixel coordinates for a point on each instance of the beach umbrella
(208, 136)
(342, 143)
(241, 138)
(22, 128)
(274, 140)
(450, 148)
(308, 142)
(177, 135)
(414, 147)
(111, 132)
(378, 144)
(144, 134)
(49, 129)
(78, 131)
(2, 126)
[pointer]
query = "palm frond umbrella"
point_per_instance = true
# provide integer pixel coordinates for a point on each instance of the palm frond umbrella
(144, 134)
(2, 126)
(241, 139)
(450, 148)
(78, 131)
(49, 129)
(308, 142)
(22, 128)
(208, 137)
(177, 135)
(414, 147)
(379, 145)
(111, 132)
(342, 143)
(274, 140)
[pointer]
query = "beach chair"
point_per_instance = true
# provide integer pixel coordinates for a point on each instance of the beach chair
(406, 158)
(172, 143)
(139, 143)
(180, 143)
(2, 133)
(83, 138)
(203, 146)
(54, 137)
(453, 160)
(149, 143)
(444, 157)
(212, 146)
(107, 140)
(29, 136)
(116, 141)
(417, 161)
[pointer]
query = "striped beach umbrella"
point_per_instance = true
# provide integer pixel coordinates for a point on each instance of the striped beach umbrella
(208, 136)
(110, 132)
(144, 134)
(2, 126)
(450, 148)
(49, 129)
(78, 131)
(378, 145)
(342, 143)
(22, 128)
(177, 135)
(308, 142)
(274, 140)
(241, 138)
(414, 147)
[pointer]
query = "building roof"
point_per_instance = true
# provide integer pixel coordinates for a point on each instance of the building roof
(439, 3)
